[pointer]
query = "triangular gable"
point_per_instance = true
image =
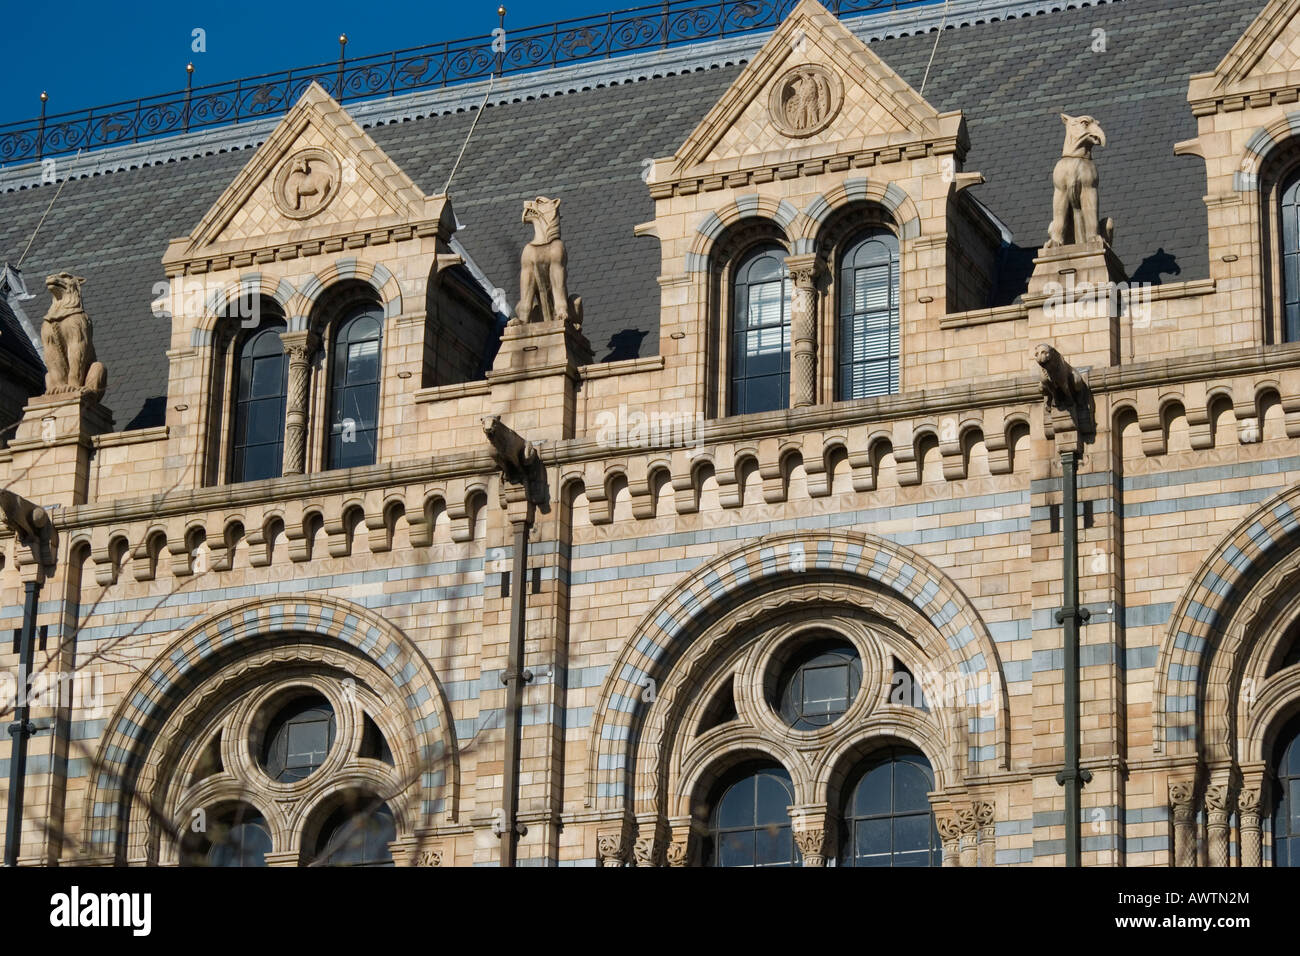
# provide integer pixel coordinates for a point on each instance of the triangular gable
(1269, 47)
(318, 175)
(813, 81)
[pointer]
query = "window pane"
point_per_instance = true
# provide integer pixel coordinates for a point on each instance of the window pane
(873, 837)
(773, 846)
(912, 832)
(737, 806)
(873, 792)
(760, 340)
(736, 849)
(772, 801)
(868, 320)
(354, 396)
(826, 689)
(911, 784)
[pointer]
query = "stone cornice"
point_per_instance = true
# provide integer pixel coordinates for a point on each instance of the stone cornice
(745, 428)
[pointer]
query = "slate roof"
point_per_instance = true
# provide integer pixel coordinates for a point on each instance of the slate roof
(14, 340)
(1011, 78)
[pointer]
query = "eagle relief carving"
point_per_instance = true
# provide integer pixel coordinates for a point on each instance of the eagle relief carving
(306, 183)
(805, 100)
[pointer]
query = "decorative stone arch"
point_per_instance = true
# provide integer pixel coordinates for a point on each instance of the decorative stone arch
(177, 674)
(713, 226)
(280, 291)
(1264, 145)
(719, 598)
(374, 274)
(889, 196)
(1216, 626)
(889, 726)
(733, 746)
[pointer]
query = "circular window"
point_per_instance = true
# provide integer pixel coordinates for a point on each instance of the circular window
(819, 683)
(298, 739)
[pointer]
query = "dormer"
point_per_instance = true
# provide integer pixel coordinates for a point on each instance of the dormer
(314, 299)
(814, 229)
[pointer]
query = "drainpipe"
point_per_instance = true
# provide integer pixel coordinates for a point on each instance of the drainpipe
(1071, 616)
(22, 727)
(514, 678)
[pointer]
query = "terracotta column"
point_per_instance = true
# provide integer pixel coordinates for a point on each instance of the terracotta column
(1248, 804)
(803, 330)
(299, 346)
(969, 835)
(1182, 805)
(950, 835)
(1218, 811)
(987, 843)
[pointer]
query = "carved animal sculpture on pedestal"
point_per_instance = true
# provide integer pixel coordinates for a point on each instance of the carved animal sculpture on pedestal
(543, 270)
(68, 340)
(1074, 182)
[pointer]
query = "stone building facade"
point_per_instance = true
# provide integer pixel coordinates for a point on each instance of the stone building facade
(793, 565)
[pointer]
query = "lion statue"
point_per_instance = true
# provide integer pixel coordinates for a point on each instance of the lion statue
(1074, 182)
(68, 339)
(543, 269)
(1061, 384)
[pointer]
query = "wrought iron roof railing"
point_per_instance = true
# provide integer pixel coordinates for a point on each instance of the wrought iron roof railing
(659, 26)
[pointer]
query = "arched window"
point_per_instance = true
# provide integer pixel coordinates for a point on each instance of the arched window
(1286, 812)
(887, 816)
(868, 316)
(760, 333)
(357, 837)
(239, 837)
(354, 389)
(259, 404)
(750, 825)
(819, 684)
(1290, 214)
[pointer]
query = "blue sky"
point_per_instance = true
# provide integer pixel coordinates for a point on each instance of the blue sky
(103, 52)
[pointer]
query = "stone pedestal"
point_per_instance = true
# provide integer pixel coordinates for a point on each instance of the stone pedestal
(534, 378)
(1073, 298)
(53, 446)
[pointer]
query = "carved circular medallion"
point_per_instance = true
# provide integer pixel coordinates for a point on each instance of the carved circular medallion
(306, 182)
(805, 100)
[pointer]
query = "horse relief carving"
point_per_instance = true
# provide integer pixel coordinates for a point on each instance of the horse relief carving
(306, 183)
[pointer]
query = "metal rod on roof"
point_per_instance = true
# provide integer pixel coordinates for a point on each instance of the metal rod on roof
(189, 83)
(40, 134)
(343, 48)
(501, 43)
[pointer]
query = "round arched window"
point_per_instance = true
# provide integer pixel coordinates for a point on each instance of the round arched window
(357, 836)
(298, 738)
(887, 816)
(819, 683)
(1286, 812)
(750, 823)
(237, 837)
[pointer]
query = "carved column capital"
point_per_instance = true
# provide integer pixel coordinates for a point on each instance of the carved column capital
(814, 833)
(1218, 809)
(950, 836)
(1182, 803)
(986, 821)
(681, 842)
(1250, 803)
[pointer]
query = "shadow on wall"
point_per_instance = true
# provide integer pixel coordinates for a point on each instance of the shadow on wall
(625, 345)
(1016, 265)
(153, 412)
(1154, 266)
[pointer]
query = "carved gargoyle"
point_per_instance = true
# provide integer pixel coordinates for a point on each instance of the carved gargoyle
(544, 268)
(68, 339)
(31, 523)
(514, 455)
(1074, 186)
(1062, 386)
